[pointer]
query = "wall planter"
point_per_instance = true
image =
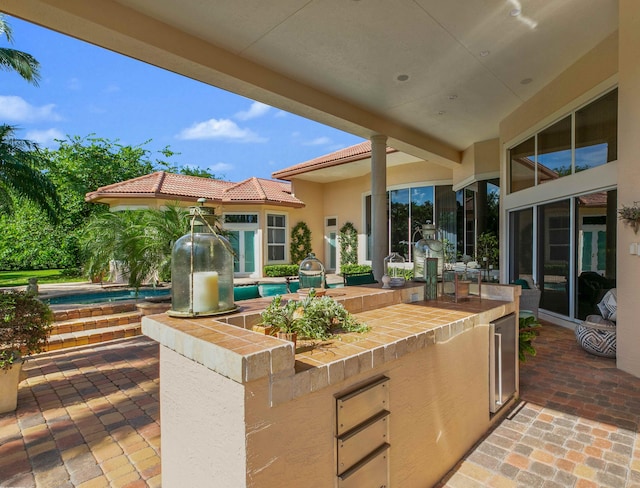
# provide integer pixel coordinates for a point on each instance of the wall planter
(630, 215)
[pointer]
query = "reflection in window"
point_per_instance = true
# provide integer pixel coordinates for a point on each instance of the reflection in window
(522, 165)
(521, 245)
(554, 237)
(399, 224)
(276, 237)
(597, 132)
(554, 151)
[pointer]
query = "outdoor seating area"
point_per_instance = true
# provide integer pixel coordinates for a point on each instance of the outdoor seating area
(91, 415)
(597, 334)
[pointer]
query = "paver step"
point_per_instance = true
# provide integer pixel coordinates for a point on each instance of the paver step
(60, 314)
(94, 322)
(93, 336)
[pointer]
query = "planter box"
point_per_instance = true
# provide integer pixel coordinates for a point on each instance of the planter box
(9, 380)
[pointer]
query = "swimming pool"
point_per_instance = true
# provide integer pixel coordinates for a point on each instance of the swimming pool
(108, 296)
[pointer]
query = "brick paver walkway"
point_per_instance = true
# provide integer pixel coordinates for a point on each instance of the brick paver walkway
(576, 426)
(88, 417)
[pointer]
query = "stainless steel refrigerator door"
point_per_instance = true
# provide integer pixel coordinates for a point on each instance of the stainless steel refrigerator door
(502, 361)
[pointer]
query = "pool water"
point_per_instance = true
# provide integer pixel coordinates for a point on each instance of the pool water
(108, 296)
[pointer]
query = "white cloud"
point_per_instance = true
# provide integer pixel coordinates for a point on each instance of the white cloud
(318, 141)
(16, 109)
(44, 137)
(281, 113)
(256, 110)
(218, 167)
(220, 129)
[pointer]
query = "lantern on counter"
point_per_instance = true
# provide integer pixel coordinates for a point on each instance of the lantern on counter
(311, 273)
(427, 247)
(394, 268)
(201, 269)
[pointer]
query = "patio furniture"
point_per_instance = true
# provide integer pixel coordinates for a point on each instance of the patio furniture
(597, 334)
(530, 300)
(360, 278)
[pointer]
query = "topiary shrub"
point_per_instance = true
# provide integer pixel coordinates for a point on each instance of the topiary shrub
(348, 245)
(278, 270)
(300, 242)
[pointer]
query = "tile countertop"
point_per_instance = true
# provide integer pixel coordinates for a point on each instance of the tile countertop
(399, 324)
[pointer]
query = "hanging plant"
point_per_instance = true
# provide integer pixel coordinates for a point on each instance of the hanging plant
(348, 244)
(300, 242)
(631, 216)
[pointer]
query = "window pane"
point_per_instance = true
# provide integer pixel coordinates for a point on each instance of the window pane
(554, 151)
(554, 234)
(399, 222)
(521, 245)
(241, 218)
(522, 165)
(596, 249)
(446, 215)
(276, 253)
(597, 132)
(367, 223)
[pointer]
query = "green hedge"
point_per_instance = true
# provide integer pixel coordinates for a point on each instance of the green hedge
(355, 268)
(276, 270)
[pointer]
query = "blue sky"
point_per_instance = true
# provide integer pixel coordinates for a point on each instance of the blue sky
(87, 90)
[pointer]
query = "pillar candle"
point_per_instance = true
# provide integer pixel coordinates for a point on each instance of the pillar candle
(205, 291)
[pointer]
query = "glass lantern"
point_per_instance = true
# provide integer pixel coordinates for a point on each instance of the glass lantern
(201, 270)
(427, 247)
(311, 273)
(394, 268)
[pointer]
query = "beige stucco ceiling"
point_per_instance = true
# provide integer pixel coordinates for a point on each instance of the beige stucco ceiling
(338, 61)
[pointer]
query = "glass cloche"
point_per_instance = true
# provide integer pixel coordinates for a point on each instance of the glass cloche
(394, 268)
(311, 272)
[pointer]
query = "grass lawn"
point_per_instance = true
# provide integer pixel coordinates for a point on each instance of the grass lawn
(19, 278)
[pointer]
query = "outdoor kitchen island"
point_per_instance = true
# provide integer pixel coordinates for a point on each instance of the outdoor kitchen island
(397, 406)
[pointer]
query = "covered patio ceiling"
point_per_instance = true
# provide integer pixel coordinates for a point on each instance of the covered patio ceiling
(434, 76)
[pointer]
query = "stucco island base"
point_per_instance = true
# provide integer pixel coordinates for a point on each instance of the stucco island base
(240, 409)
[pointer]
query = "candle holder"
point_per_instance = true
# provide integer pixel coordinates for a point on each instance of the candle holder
(201, 269)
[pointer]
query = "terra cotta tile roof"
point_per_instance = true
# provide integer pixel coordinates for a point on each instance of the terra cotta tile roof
(343, 156)
(182, 187)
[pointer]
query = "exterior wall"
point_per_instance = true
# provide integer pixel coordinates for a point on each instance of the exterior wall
(313, 213)
(344, 198)
(479, 161)
(628, 185)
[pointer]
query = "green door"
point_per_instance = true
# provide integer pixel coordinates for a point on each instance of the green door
(243, 244)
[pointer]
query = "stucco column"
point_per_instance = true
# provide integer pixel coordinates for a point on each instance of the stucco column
(379, 225)
(628, 332)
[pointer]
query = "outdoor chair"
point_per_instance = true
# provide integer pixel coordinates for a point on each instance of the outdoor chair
(597, 334)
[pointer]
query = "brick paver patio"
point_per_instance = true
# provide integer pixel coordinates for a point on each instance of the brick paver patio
(89, 417)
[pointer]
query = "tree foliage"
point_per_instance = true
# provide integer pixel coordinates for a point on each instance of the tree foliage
(13, 60)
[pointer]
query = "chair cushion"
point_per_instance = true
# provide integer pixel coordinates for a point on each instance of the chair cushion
(608, 305)
(523, 283)
(597, 337)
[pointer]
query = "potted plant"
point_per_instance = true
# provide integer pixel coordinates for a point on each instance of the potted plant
(631, 215)
(529, 330)
(25, 324)
(317, 318)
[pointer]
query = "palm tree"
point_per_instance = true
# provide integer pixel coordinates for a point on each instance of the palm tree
(12, 60)
(19, 175)
(141, 242)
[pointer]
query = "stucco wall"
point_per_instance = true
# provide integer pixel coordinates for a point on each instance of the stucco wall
(439, 407)
(628, 185)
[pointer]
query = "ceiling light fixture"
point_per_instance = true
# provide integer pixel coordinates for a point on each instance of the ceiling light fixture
(484, 53)
(526, 81)
(402, 77)
(453, 97)
(515, 12)
(442, 112)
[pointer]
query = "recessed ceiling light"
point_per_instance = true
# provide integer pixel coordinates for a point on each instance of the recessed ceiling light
(453, 97)
(442, 112)
(484, 53)
(402, 77)
(526, 81)
(515, 12)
